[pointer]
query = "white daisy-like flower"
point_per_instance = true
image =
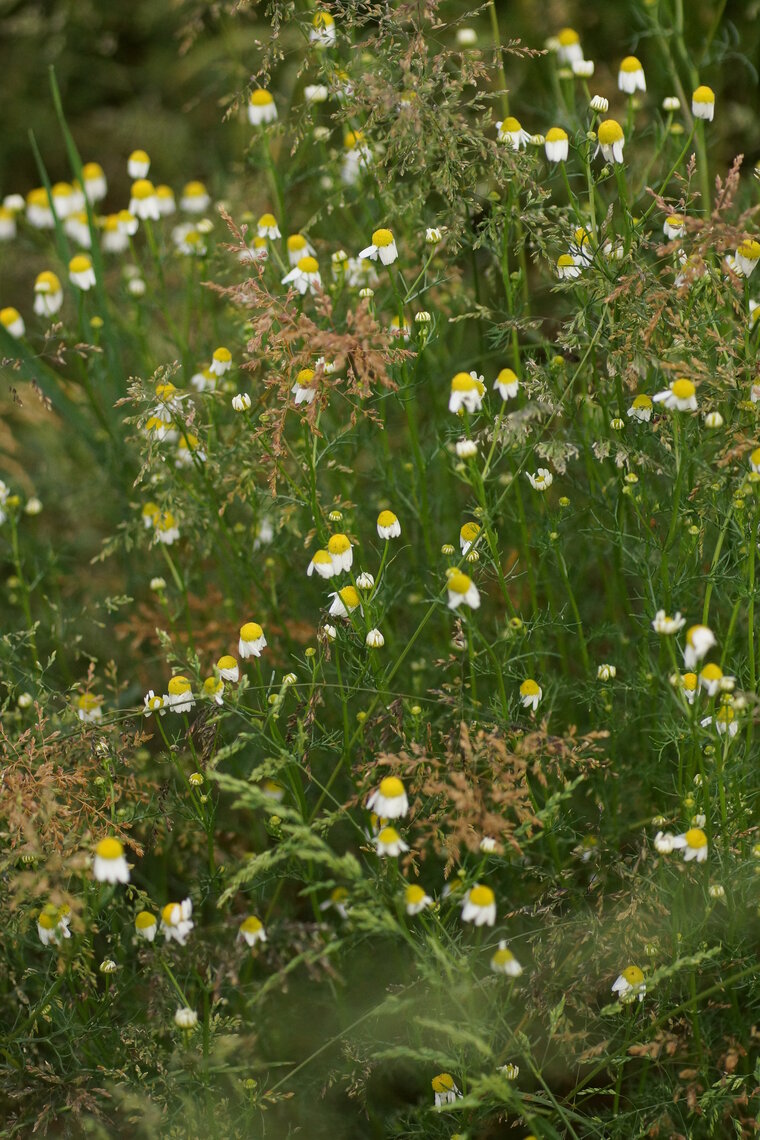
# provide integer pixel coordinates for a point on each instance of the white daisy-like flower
(221, 361)
(338, 901)
(389, 801)
(567, 267)
(674, 226)
(631, 76)
(305, 276)
(383, 246)
(462, 591)
(176, 922)
(154, 703)
(444, 1090)
(81, 273)
(322, 564)
(530, 694)
(641, 408)
(12, 322)
(467, 391)
(388, 525)
(322, 31)
(747, 256)
(389, 842)
(724, 720)
(568, 46)
(699, 641)
(195, 198)
(251, 930)
(468, 536)
(665, 625)
(507, 384)
(479, 906)
(48, 294)
(146, 925)
(503, 961)
(693, 843)
(630, 984)
(53, 924)
(712, 680)
(510, 131)
(415, 899)
(252, 640)
(261, 108)
(556, 145)
(186, 1018)
(703, 103)
(611, 140)
(180, 694)
(341, 552)
(344, 602)
(542, 480)
(228, 669)
(680, 396)
(110, 863)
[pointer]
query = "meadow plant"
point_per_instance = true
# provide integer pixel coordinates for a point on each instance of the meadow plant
(379, 665)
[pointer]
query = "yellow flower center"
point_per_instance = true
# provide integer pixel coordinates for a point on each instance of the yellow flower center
(459, 583)
(322, 557)
(391, 787)
(642, 401)
(9, 316)
(502, 957)
(682, 388)
(323, 20)
(482, 896)
(166, 192)
(463, 382)
(267, 221)
(630, 64)
(556, 134)
(568, 36)
(296, 242)
(388, 835)
(92, 170)
(414, 894)
(338, 544)
(47, 282)
(142, 189)
(251, 631)
(222, 355)
(139, 156)
(529, 688)
(674, 221)
(171, 914)
(750, 249)
(88, 701)
(444, 1082)
(703, 95)
(470, 531)
(610, 132)
(261, 98)
(507, 376)
(382, 238)
(305, 377)
(712, 672)
(144, 920)
(689, 682)
(633, 975)
(179, 685)
(386, 518)
(349, 597)
(696, 838)
(565, 260)
(109, 849)
(754, 457)
(251, 925)
(226, 662)
(308, 265)
(510, 126)
(194, 190)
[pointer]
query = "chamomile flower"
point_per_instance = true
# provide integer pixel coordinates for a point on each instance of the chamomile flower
(699, 641)
(316, 93)
(583, 68)
(261, 108)
(663, 843)
(195, 198)
(77, 229)
(374, 639)
(138, 164)
(388, 525)
(185, 1018)
(747, 256)
(48, 294)
(304, 388)
(12, 322)
(556, 145)
(611, 140)
(389, 842)
(680, 396)
(146, 925)
(7, 224)
(127, 223)
(671, 104)
(176, 922)
(631, 76)
(444, 1090)
(383, 246)
(341, 552)
(241, 402)
(606, 672)
(390, 800)
(221, 361)
(641, 408)
(81, 272)
(166, 201)
(415, 899)
(321, 564)
(39, 213)
(507, 384)
(251, 931)
(467, 392)
(693, 843)
(115, 240)
(213, 689)
(711, 679)
(703, 103)
(503, 961)
(689, 685)
(530, 694)
(322, 29)
(252, 640)
(630, 984)
(479, 906)
(542, 480)
(298, 247)
(511, 132)
(53, 924)
(143, 203)
(569, 48)
(674, 226)
(65, 200)
(180, 694)
(304, 276)
(228, 669)
(154, 703)
(166, 529)
(725, 721)
(338, 901)
(461, 591)
(665, 625)
(466, 448)
(267, 227)
(567, 268)
(344, 602)
(468, 536)
(188, 240)
(754, 460)
(599, 104)
(110, 864)
(89, 708)
(356, 156)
